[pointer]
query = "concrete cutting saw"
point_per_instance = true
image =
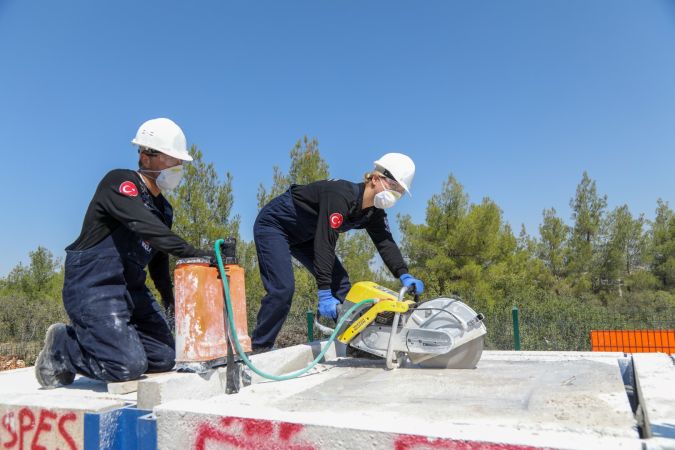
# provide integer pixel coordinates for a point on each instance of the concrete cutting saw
(437, 333)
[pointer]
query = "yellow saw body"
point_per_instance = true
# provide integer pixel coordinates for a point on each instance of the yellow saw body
(440, 333)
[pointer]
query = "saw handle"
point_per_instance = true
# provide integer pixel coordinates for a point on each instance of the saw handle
(409, 290)
(389, 358)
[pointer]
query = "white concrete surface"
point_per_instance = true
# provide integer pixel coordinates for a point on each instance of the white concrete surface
(287, 360)
(23, 382)
(655, 376)
(175, 386)
(540, 399)
(606, 357)
(31, 417)
(569, 403)
(127, 387)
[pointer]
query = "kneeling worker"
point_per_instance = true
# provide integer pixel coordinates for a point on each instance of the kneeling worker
(118, 331)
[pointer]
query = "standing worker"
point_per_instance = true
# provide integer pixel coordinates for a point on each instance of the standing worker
(117, 330)
(305, 222)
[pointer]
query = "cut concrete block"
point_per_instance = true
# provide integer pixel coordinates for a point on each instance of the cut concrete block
(49, 418)
(47, 421)
(174, 386)
(655, 380)
(126, 387)
(570, 403)
(287, 360)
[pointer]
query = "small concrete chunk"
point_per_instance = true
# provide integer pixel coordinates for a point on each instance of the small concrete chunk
(123, 387)
(174, 386)
(126, 387)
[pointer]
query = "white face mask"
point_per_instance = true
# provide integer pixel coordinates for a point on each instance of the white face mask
(169, 178)
(386, 199)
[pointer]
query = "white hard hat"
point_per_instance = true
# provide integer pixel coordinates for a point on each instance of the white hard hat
(399, 167)
(164, 136)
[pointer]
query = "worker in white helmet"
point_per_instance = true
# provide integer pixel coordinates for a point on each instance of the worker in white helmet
(117, 330)
(305, 223)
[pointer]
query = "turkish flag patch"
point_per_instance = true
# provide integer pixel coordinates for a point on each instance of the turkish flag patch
(335, 220)
(129, 189)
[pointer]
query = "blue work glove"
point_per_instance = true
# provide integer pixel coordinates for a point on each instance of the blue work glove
(328, 304)
(408, 280)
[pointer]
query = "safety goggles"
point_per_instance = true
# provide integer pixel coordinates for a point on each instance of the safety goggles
(392, 183)
(169, 160)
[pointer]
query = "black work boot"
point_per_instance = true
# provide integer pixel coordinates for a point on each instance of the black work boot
(50, 367)
(257, 350)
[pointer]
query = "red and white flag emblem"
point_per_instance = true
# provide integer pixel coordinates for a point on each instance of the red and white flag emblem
(129, 189)
(335, 220)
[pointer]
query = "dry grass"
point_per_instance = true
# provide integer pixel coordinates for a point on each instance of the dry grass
(23, 352)
(11, 362)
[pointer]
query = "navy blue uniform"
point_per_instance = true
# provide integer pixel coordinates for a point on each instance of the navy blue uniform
(118, 331)
(305, 223)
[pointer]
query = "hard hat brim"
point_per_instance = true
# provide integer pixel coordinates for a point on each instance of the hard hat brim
(379, 165)
(185, 157)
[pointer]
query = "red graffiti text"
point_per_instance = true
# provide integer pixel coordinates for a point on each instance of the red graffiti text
(36, 429)
(250, 434)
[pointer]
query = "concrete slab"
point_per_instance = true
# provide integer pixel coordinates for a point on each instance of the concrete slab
(22, 381)
(288, 360)
(655, 380)
(31, 416)
(38, 422)
(606, 357)
(175, 386)
(566, 403)
(541, 399)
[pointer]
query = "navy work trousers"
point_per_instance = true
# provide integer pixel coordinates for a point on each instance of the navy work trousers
(281, 232)
(117, 333)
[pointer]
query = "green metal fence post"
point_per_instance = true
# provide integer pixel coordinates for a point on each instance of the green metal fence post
(516, 328)
(310, 326)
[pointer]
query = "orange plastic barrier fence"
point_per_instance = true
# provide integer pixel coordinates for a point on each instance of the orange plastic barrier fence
(633, 341)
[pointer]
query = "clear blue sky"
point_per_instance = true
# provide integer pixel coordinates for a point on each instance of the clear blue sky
(516, 98)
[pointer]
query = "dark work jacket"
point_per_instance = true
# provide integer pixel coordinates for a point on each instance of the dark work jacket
(331, 207)
(122, 200)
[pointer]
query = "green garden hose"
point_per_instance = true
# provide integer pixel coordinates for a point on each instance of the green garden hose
(235, 338)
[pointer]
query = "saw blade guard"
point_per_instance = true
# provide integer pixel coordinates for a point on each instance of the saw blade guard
(463, 326)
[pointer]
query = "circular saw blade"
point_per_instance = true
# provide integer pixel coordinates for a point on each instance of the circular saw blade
(463, 357)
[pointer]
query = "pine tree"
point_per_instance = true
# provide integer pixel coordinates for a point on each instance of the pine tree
(468, 249)
(41, 280)
(306, 166)
(203, 204)
(584, 247)
(663, 245)
(552, 246)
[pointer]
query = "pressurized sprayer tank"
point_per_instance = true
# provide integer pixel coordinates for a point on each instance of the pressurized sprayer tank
(200, 318)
